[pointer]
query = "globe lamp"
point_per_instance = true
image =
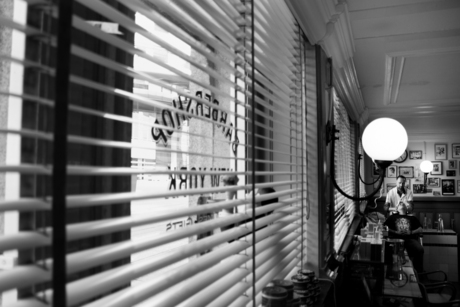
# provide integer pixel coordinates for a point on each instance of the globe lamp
(384, 140)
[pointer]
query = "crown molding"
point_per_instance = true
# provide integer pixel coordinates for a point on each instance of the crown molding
(327, 23)
(346, 83)
(393, 72)
(394, 67)
(421, 136)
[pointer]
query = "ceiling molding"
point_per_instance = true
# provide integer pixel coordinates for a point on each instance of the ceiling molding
(364, 118)
(312, 18)
(431, 136)
(425, 52)
(394, 67)
(382, 9)
(346, 83)
(327, 24)
(411, 112)
(393, 71)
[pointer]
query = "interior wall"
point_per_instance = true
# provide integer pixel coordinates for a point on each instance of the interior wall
(428, 153)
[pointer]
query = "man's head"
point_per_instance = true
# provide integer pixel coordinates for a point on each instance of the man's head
(400, 183)
(402, 208)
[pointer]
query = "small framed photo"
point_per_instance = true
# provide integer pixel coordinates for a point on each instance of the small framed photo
(418, 188)
(440, 151)
(415, 155)
(390, 186)
(456, 150)
(452, 164)
(436, 193)
(406, 171)
(450, 173)
(392, 171)
(433, 182)
(437, 168)
(448, 187)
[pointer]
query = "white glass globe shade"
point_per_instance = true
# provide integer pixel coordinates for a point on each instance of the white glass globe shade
(384, 139)
(426, 166)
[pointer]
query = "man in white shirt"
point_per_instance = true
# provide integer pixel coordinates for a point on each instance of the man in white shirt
(399, 194)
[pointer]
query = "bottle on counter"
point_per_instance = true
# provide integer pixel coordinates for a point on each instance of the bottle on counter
(440, 224)
(364, 231)
(425, 225)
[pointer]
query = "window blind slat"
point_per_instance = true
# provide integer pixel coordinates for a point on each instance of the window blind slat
(33, 302)
(181, 18)
(265, 250)
(116, 16)
(289, 263)
(266, 272)
(23, 276)
(23, 240)
(132, 296)
(94, 285)
(194, 284)
(111, 171)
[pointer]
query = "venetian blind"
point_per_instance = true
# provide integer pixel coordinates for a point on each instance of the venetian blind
(344, 209)
(185, 163)
(362, 187)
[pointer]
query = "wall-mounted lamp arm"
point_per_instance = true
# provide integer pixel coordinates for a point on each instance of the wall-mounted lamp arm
(360, 156)
(367, 197)
(331, 131)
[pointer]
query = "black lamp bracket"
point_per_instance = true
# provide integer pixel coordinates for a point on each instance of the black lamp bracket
(330, 133)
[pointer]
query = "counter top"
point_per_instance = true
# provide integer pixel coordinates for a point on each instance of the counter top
(447, 232)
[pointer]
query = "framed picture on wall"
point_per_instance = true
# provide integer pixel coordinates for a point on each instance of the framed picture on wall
(433, 182)
(456, 150)
(450, 173)
(437, 168)
(440, 151)
(448, 187)
(392, 171)
(406, 171)
(391, 186)
(452, 164)
(418, 188)
(415, 155)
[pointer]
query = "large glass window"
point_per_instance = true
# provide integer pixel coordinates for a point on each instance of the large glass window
(344, 159)
(186, 163)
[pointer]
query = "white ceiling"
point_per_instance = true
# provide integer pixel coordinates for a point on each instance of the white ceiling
(404, 56)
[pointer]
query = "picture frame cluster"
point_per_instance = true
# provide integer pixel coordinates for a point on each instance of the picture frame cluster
(440, 181)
